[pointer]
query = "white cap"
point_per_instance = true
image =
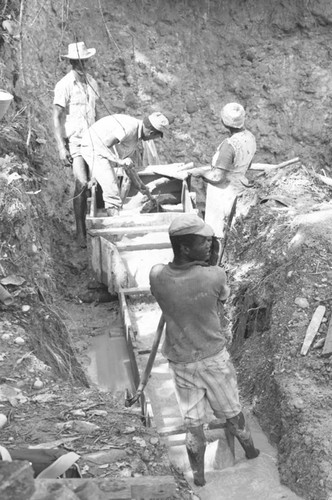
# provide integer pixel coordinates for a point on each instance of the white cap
(233, 115)
(158, 121)
(78, 51)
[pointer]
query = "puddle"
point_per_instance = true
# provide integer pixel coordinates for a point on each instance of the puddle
(109, 366)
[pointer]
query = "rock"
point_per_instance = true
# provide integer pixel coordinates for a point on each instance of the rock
(78, 426)
(19, 341)
(25, 308)
(154, 440)
(53, 490)
(89, 490)
(139, 441)
(38, 384)
(119, 106)
(78, 413)
(301, 302)
(130, 100)
(298, 403)
(16, 480)
(84, 427)
(319, 344)
(3, 420)
(129, 430)
(106, 457)
(6, 336)
(98, 413)
(191, 107)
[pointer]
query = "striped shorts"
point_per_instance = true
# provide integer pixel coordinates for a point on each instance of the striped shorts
(210, 381)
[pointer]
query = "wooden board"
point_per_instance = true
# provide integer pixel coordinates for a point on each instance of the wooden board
(327, 349)
(144, 290)
(143, 246)
(110, 231)
(95, 257)
(138, 488)
(313, 328)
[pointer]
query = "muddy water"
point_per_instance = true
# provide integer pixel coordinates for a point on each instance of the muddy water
(109, 366)
(256, 479)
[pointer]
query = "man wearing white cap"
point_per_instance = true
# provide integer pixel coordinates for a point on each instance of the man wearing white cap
(111, 141)
(188, 291)
(74, 111)
(226, 179)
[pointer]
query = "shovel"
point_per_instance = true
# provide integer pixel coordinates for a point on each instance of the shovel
(130, 400)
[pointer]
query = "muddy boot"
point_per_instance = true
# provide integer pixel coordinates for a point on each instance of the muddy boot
(80, 206)
(237, 426)
(195, 444)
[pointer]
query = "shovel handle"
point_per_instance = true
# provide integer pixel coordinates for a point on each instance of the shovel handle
(149, 364)
(153, 353)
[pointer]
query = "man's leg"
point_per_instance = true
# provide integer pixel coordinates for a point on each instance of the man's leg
(80, 171)
(104, 173)
(195, 444)
(237, 427)
(222, 393)
(191, 399)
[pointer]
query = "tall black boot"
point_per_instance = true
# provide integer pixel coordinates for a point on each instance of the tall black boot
(80, 207)
(237, 426)
(195, 444)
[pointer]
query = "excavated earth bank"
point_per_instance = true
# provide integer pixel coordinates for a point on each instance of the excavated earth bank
(187, 58)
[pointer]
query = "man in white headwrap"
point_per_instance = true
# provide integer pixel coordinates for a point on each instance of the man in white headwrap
(226, 179)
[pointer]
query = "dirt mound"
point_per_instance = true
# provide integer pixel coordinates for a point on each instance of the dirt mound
(280, 264)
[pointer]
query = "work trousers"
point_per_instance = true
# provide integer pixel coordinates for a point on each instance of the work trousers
(101, 169)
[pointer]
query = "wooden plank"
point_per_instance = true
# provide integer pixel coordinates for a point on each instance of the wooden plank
(313, 328)
(110, 231)
(270, 166)
(327, 349)
(186, 200)
(148, 487)
(126, 316)
(106, 254)
(180, 429)
(125, 220)
(136, 290)
(128, 247)
(96, 258)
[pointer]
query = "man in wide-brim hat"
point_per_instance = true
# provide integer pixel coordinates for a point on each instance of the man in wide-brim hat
(74, 110)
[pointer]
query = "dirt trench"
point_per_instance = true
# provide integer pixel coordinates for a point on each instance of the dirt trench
(187, 58)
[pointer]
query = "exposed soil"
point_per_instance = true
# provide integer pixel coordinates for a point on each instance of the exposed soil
(187, 58)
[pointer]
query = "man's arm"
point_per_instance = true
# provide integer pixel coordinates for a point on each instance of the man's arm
(223, 164)
(58, 120)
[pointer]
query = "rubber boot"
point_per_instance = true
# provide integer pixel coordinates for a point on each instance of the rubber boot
(195, 444)
(237, 426)
(80, 207)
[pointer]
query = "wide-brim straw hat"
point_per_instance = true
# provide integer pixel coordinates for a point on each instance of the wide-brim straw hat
(79, 51)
